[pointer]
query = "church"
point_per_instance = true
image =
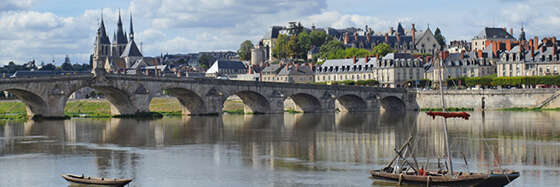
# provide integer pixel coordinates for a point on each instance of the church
(120, 56)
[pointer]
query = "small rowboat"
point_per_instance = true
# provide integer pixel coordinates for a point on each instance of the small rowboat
(95, 180)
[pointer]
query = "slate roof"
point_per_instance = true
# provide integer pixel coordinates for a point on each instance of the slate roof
(293, 70)
(104, 39)
(120, 37)
(273, 32)
(131, 50)
(494, 34)
(272, 68)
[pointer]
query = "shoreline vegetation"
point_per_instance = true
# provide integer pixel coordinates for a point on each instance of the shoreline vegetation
(101, 108)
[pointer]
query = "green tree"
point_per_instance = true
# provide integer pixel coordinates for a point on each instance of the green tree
(330, 49)
(318, 38)
(382, 49)
(440, 38)
(66, 66)
(244, 51)
(280, 49)
(48, 67)
(205, 60)
(304, 45)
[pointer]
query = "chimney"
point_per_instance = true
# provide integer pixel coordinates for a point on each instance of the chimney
(444, 54)
(346, 38)
(480, 53)
(508, 45)
(554, 46)
(354, 60)
(495, 48)
(398, 38)
(391, 31)
(533, 51)
(511, 31)
(413, 33)
(462, 54)
(386, 38)
(531, 44)
(368, 36)
(536, 40)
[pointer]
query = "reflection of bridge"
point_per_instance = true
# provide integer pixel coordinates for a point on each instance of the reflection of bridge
(131, 95)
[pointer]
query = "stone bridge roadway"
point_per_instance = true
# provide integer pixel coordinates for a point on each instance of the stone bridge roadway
(129, 94)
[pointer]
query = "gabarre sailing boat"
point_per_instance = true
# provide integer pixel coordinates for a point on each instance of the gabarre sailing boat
(405, 172)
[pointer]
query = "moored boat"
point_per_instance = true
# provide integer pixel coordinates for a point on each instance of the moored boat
(95, 180)
(408, 172)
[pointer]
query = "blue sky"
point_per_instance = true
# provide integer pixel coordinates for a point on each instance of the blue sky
(50, 29)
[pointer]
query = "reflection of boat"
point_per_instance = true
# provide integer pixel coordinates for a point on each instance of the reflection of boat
(95, 180)
(404, 171)
(463, 115)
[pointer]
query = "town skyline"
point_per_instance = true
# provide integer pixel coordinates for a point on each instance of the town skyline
(41, 31)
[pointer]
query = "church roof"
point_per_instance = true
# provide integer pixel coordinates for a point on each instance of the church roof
(120, 37)
(103, 38)
(131, 50)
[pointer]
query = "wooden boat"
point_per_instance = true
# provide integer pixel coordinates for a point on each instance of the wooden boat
(414, 174)
(497, 178)
(96, 180)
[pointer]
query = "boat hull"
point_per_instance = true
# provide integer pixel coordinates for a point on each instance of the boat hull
(95, 180)
(473, 179)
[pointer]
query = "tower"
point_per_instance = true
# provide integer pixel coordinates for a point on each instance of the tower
(119, 40)
(101, 49)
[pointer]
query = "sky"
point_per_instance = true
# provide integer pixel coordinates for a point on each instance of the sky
(47, 30)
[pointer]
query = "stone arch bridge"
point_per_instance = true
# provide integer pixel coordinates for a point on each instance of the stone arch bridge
(130, 95)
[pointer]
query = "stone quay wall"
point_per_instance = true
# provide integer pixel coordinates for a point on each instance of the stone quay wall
(490, 99)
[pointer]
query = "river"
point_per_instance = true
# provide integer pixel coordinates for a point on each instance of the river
(273, 150)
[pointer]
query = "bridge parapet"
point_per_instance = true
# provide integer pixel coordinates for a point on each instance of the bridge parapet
(131, 94)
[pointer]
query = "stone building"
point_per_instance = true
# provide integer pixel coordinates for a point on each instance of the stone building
(534, 59)
(226, 68)
(290, 72)
(489, 35)
(393, 70)
(463, 64)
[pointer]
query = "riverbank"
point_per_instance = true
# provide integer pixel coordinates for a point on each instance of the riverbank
(101, 108)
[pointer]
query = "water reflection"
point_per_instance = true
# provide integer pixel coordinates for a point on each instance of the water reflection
(286, 149)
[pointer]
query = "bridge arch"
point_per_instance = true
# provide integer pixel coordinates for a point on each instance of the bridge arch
(120, 100)
(192, 103)
(34, 104)
(255, 103)
(306, 103)
(393, 104)
(351, 103)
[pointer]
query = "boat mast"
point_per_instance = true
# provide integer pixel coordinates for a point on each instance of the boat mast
(440, 77)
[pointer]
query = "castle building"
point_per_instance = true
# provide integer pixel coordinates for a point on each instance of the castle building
(121, 55)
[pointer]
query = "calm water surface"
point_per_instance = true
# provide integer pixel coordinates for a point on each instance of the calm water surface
(272, 150)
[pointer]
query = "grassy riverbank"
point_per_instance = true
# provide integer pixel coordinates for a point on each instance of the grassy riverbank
(166, 106)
